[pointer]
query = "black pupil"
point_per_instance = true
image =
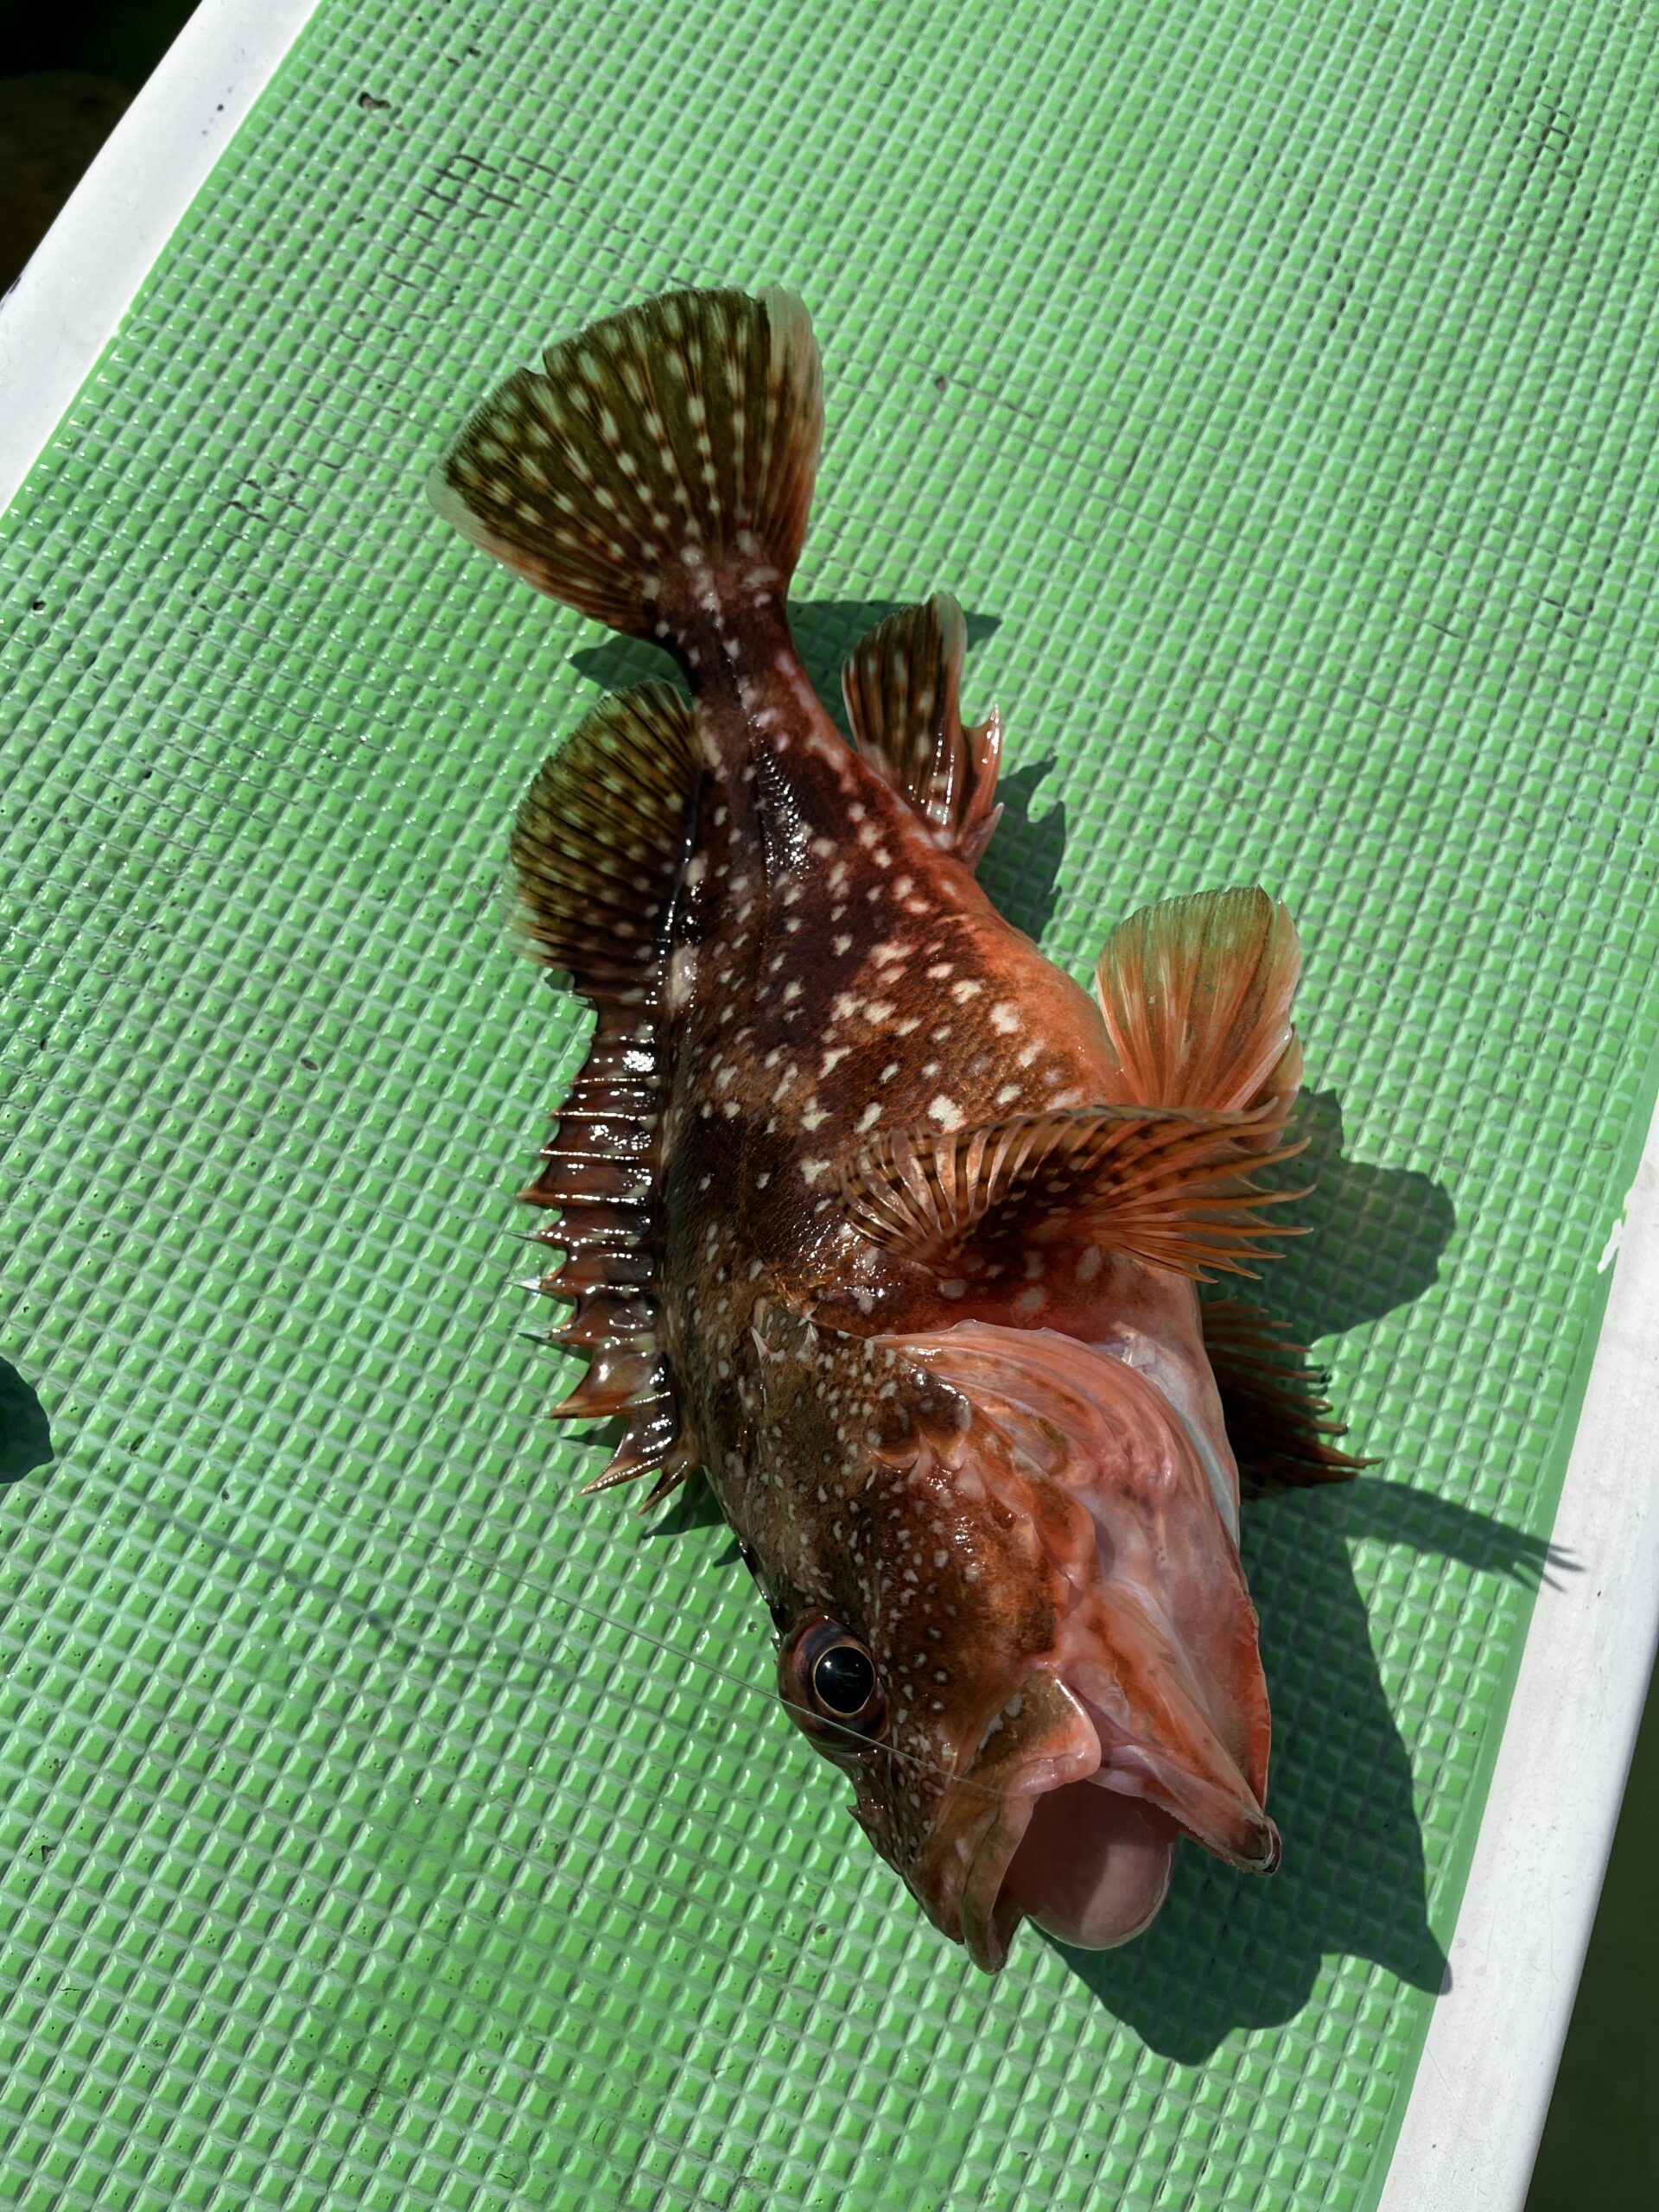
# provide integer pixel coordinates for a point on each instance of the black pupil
(844, 1679)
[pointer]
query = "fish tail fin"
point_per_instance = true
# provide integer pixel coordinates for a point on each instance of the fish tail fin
(1197, 993)
(658, 471)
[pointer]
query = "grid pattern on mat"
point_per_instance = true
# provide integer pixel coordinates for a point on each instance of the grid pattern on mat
(1274, 383)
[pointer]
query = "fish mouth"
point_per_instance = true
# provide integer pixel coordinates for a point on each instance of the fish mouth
(1066, 1820)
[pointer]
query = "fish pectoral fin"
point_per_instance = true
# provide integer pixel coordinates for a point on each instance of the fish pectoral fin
(1278, 1422)
(1168, 1185)
(655, 451)
(902, 686)
(1197, 993)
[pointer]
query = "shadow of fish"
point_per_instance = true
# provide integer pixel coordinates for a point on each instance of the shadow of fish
(867, 1210)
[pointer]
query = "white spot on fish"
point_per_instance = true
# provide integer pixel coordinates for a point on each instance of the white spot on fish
(811, 1169)
(1005, 1017)
(867, 1120)
(1008, 1093)
(946, 1112)
(1029, 1300)
(965, 990)
(681, 978)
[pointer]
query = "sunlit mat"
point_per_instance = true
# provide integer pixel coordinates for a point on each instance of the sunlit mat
(385, 1824)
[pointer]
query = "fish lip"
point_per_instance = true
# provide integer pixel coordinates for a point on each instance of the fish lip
(1221, 1813)
(959, 1879)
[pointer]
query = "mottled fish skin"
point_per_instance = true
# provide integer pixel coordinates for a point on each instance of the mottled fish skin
(871, 1212)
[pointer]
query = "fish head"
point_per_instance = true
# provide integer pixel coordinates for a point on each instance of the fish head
(1023, 1632)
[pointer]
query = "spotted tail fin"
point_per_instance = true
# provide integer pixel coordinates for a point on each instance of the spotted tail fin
(658, 469)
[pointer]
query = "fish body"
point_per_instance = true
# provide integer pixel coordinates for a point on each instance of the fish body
(866, 1210)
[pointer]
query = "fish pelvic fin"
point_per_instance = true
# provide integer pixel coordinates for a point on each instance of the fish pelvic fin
(657, 469)
(902, 686)
(597, 850)
(1165, 1185)
(1278, 1418)
(1197, 993)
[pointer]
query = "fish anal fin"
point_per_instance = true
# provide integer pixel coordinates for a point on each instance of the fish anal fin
(657, 458)
(1278, 1419)
(1195, 993)
(902, 687)
(1167, 1186)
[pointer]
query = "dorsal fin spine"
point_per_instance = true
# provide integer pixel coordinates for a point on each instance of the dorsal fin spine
(598, 847)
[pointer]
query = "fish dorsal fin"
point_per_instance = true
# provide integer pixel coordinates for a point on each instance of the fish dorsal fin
(599, 841)
(1164, 1184)
(1195, 993)
(660, 454)
(902, 687)
(1277, 1418)
(597, 850)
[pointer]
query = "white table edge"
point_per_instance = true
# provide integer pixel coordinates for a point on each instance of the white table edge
(69, 301)
(1482, 2087)
(1481, 2092)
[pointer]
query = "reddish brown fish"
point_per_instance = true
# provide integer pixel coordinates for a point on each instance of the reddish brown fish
(866, 1210)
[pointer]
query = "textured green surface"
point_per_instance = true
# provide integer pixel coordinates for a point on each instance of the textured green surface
(384, 1824)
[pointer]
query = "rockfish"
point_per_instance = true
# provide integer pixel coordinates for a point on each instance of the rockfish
(867, 1210)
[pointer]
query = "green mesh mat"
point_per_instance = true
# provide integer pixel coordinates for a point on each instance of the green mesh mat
(386, 1825)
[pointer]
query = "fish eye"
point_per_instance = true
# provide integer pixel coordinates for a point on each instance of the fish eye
(844, 1680)
(828, 1675)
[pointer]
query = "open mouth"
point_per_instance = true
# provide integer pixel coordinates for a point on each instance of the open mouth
(1079, 1834)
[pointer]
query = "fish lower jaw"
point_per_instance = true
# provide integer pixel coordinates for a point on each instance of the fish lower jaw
(1085, 1849)
(1087, 1861)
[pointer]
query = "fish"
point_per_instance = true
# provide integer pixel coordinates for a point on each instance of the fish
(864, 1211)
